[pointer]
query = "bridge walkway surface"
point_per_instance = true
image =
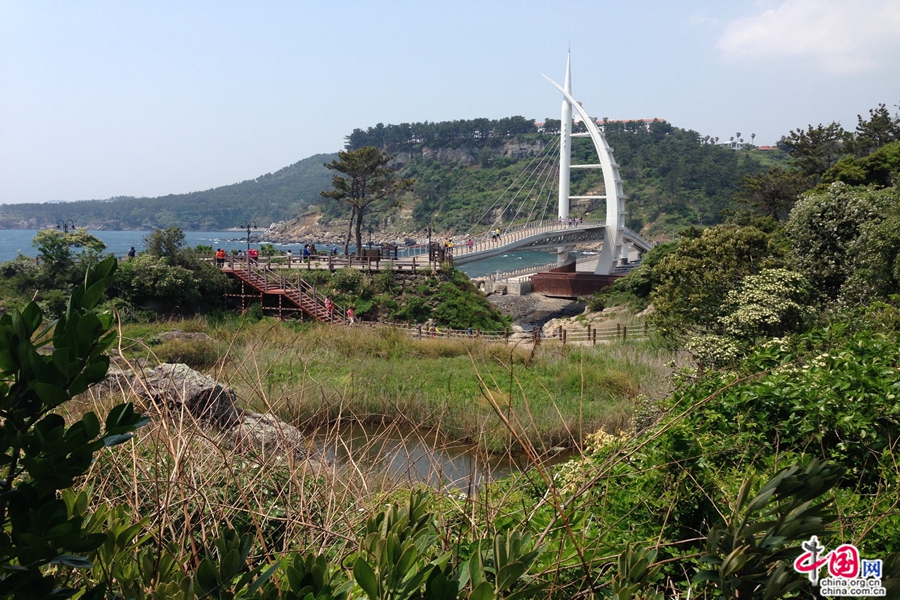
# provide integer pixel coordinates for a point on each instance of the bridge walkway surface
(536, 235)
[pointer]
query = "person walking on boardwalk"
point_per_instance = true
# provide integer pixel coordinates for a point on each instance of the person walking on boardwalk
(290, 256)
(351, 316)
(220, 257)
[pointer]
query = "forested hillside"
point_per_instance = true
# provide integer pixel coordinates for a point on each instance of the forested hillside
(468, 173)
(268, 198)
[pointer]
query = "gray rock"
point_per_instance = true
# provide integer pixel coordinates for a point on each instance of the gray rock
(177, 387)
(266, 434)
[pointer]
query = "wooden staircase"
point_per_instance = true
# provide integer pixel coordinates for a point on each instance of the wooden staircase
(283, 295)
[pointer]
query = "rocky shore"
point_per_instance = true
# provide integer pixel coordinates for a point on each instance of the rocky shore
(311, 229)
(535, 310)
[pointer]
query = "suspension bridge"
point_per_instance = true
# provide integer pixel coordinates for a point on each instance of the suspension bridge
(522, 224)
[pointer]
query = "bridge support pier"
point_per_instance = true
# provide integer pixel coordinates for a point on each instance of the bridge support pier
(564, 255)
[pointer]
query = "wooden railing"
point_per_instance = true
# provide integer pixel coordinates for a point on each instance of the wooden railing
(300, 292)
(633, 330)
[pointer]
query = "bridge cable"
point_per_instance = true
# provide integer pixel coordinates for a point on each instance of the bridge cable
(541, 178)
(550, 172)
(546, 156)
(524, 170)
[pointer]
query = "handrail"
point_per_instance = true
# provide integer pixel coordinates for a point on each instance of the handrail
(486, 241)
(503, 275)
(259, 277)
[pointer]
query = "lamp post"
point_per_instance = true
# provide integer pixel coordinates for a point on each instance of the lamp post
(429, 243)
(248, 225)
(65, 224)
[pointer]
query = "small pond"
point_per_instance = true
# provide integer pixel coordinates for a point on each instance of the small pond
(405, 455)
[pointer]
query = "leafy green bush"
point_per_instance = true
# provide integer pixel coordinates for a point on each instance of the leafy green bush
(845, 242)
(773, 303)
(695, 278)
(40, 454)
(152, 280)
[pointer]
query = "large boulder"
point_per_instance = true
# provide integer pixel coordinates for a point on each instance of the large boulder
(173, 388)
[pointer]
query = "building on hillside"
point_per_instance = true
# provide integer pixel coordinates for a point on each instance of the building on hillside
(735, 144)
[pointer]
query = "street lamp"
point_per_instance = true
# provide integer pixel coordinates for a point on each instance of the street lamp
(248, 225)
(65, 224)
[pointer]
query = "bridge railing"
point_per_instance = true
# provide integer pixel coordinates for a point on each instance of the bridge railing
(503, 275)
(489, 240)
(326, 262)
(405, 255)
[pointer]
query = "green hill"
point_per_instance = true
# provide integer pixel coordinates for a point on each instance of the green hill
(468, 173)
(673, 177)
(268, 198)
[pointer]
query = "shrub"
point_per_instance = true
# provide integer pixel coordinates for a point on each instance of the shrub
(40, 454)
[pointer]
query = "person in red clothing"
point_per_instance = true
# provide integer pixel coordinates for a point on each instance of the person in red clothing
(329, 309)
(220, 257)
(253, 255)
(351, 316)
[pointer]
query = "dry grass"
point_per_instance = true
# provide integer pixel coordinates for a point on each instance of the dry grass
(182, 477)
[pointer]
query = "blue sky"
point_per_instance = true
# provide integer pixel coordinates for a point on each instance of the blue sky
(102, 98)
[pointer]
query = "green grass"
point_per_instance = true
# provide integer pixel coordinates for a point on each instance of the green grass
(314, 375)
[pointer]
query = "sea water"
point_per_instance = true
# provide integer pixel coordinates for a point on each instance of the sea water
(18, 241)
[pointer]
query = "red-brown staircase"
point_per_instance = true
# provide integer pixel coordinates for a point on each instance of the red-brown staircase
(282, 294)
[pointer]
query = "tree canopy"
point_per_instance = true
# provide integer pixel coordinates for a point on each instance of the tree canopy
(56, 247)
(815, 150)
(364, 182)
